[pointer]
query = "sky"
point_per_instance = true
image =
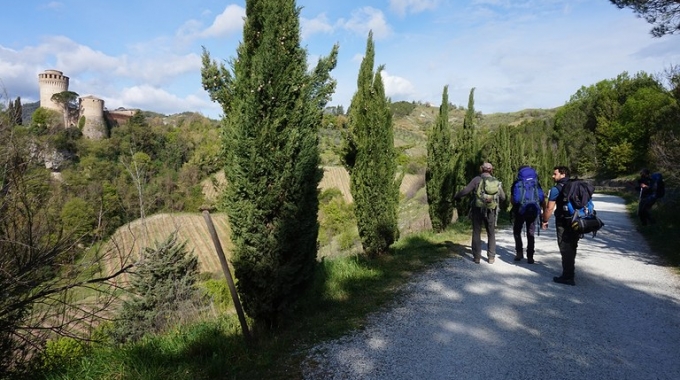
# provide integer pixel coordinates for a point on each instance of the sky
(516, 54)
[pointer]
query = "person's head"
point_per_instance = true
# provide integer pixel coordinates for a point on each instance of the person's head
(486, 168)
(644, 173)
(560, 172)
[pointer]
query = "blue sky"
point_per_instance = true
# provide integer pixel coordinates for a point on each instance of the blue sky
(516, 54)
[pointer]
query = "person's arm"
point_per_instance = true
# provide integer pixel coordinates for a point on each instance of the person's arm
(549, 208)
(467, 189)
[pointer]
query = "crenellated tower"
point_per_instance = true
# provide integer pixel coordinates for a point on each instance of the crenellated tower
(51, 82)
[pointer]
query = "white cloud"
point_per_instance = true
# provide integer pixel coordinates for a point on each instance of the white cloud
(402, 7)
(365, 19)
(158, 71)
(319, 24)
(397, 86)
(229, 21)
(159, 100)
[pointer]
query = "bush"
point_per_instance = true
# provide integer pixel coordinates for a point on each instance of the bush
(218, 291)
(61, 353)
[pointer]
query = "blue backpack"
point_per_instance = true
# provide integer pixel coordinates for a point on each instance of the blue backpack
(527, 194)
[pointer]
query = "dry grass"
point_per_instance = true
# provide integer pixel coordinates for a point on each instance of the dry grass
(131, 239)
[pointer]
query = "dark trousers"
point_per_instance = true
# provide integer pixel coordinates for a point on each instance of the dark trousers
(567, 240)
(644, 210)
(487, 218)
(520, 222)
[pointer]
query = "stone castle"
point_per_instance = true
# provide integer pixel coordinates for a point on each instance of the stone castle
(97, 120)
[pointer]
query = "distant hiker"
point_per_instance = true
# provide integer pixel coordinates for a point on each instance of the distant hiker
(527, 199)
(567, 238)
(488, 191)
(651, 187)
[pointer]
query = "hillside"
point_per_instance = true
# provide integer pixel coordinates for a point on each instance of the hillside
(410, 132)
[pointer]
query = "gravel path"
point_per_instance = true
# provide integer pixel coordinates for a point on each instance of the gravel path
(510, 321)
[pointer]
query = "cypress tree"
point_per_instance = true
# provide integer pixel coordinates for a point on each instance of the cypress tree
(273, 108)
(370, 157)
(468, 157)
(18, 112)
(439, 179)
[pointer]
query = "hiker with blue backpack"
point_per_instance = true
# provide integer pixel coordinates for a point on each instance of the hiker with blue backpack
(651, 188)
(488, 192)
(527, 199)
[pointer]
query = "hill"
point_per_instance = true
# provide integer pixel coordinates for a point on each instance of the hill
(411, 124)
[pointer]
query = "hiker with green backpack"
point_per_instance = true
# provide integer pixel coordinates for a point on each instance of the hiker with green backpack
(487, 192)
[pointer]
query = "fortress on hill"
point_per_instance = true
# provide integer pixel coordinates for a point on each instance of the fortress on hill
(97, 119)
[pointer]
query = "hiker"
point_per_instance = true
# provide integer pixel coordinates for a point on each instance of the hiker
(488, 191)
(647, 189)
(567, 238)
(527, 199)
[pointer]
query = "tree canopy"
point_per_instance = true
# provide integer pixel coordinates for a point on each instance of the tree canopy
(664, 15)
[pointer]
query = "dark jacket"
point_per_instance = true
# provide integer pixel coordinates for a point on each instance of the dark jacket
(472, 186)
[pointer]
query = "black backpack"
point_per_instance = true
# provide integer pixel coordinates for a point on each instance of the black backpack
(577, 205)
(658, 186)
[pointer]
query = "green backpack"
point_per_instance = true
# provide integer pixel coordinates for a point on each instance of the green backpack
(487, 193)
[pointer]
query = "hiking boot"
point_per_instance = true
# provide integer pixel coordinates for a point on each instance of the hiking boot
(566, 281)
(530, 260)
(477, 260)
(492, 259)
(518, 257)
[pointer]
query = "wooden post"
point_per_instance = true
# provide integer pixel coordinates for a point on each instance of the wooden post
(227, 274)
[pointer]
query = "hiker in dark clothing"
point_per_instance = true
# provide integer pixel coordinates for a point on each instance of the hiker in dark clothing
(481, 214)
(647, 197)
(527, 201)
(567, 238)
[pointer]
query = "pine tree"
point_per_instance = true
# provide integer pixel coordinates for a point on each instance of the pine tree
(439, 179)
(273, 108)
(163, 286)
(370, 157)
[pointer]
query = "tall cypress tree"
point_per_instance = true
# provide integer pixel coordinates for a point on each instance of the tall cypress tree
(439, 179)
(468, 157)
(370, 157)
(273, 108)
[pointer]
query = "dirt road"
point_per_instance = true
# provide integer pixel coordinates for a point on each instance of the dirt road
(510, 321)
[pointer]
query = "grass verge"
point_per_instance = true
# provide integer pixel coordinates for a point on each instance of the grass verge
(344, 292)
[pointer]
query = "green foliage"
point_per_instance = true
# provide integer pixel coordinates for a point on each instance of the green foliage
(336, 218)
(346, 290)
(42, 120)
(62, 353)
(219, 293)
(439, 176)
(273, 109)
(163, 288)
(467, 153)
(371, 159)
(609, 126)
(78, 217)
(402, 109)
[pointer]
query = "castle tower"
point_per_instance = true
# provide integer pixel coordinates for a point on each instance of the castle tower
(92, 109)
(51, 82)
